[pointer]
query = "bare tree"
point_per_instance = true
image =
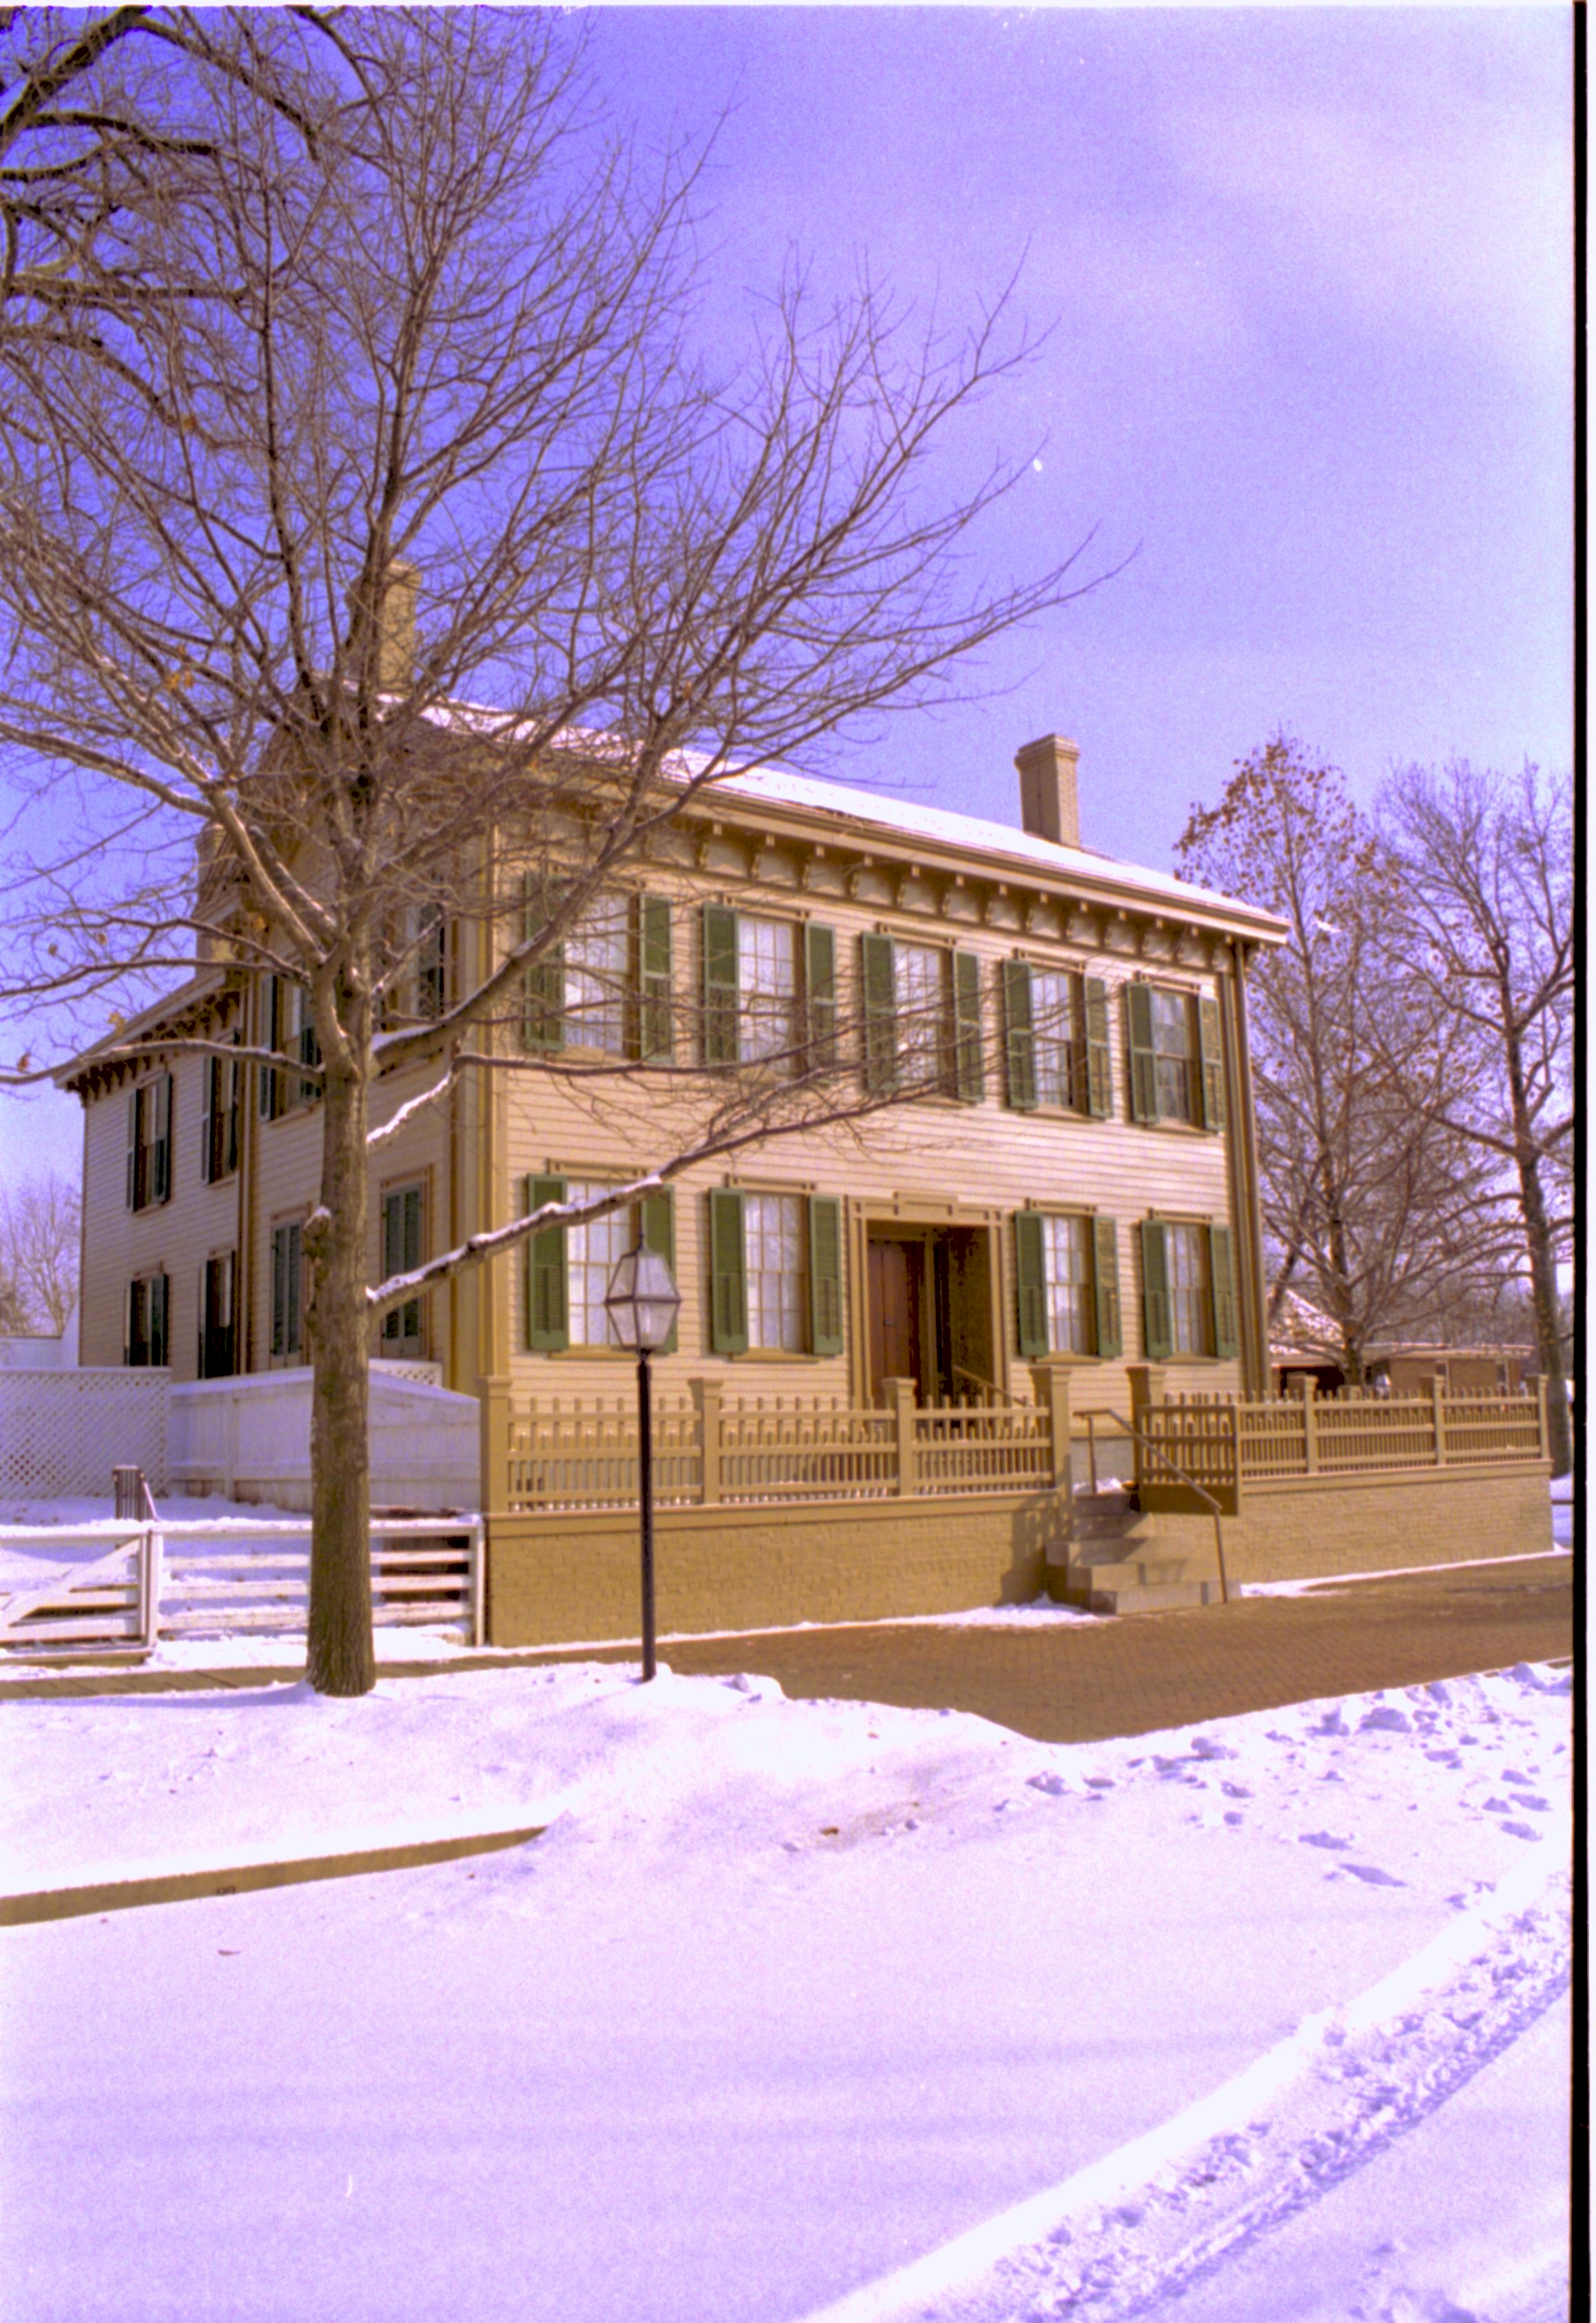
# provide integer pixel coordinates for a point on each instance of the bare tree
(389, 409)
(1374, 1209)
(1484, 867)
(39, 1227)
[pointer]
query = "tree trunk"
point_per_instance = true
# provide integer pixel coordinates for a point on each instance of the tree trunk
(340, 1658)
(1543, 1287)
(1540, 1246)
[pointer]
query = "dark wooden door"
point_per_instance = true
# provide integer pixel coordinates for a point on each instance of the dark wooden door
(896, 1269)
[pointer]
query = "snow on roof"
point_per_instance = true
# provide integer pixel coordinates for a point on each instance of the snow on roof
(972, 834)
(967, 834)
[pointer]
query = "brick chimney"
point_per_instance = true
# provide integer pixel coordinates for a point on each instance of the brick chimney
(396, 654)
(1050, 804)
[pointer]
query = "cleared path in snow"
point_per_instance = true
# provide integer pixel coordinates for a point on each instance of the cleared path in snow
(1088, 1682)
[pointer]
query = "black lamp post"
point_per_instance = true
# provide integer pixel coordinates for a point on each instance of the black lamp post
(642, 1303)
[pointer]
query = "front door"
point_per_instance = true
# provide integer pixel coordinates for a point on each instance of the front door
(898, 1275)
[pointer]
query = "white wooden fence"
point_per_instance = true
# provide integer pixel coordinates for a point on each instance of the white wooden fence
(168, 1579)
(62, 1431)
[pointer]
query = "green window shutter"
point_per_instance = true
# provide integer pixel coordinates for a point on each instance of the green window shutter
(1018, 1036)
(133, 1149)
(1213, 1056)
(1105, 1287)
(658, 1222)
(825, 1275)
(820, 996)
(542, 986)
(160, 1156)
(722, 1045)
(728, 1282)
(1099, 1077)
(547, 1317)
(1222, 1277)
(654, 1013)
(1158, 1325)
(1139, 1049)
(1030, 1285)
(968, 1064)
(879, 986)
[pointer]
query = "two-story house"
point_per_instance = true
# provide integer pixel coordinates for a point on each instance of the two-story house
(1073, 1178)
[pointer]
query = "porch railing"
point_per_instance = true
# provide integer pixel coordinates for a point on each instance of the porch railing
(1226, 1443)
(715, 1450)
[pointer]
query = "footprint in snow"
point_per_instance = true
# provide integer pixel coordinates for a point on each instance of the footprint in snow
(1054, 1786)
(1520, 1830)
(1322, 1838)
(1385, 1720)
(1372, 1876)
(1529, 1800)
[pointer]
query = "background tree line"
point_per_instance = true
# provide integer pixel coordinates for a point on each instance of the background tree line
(1412, 1048)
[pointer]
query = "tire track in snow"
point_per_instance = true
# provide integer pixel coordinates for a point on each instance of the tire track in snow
(1172, 2207)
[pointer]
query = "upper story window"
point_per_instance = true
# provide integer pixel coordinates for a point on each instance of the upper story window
(287, 1026)
(1055, 1039)
(219, 1134)
(1177, 1060)
(606, 985)
(769, 991)
(149, 1143)
(417, 982)
(922, 1018)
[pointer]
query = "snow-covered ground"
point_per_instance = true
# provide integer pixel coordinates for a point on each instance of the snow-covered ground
(1256, 2020)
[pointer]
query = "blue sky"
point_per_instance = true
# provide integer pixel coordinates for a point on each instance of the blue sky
(1306, 274)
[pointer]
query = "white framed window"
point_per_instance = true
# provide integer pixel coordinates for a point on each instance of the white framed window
(1172, 1046)
(1056, 1037)
(767, 989)
(592, 1251)
(775, 1258)
(1069, 1285)
(598, 957)
(1191, 1302)
(920, 999)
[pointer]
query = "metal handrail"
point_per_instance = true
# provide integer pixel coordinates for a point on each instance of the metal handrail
(1177, 1473)
(988, 1387)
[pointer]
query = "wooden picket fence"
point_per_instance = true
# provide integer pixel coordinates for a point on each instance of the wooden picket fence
(712, 1450)
(715, 1450)
(1225, 1443)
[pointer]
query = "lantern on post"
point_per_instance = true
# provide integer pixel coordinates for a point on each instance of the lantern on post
(642, 1303)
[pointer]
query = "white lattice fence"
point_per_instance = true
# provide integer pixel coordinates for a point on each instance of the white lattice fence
(63, 1431)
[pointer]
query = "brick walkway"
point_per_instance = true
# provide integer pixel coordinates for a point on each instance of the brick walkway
(1079, 1681)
